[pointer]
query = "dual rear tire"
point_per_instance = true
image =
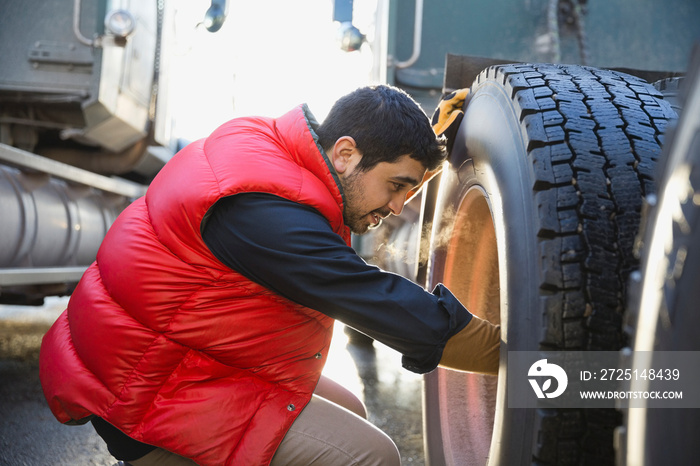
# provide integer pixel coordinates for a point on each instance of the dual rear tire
(664, 315)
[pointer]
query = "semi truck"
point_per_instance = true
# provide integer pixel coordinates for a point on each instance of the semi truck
(85, 124)
(568, 165)
(566, 211)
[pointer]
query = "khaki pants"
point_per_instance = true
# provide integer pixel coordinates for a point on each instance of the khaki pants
(331, 430)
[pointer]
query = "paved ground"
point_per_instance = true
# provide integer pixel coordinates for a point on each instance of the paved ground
(29, 435)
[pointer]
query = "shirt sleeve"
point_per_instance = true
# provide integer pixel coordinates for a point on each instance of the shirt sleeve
(291, 249)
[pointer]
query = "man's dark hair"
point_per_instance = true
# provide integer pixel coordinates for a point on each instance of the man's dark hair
(385, 123)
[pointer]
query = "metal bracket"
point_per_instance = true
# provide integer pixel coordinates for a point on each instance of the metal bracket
(40, 276)
(24, 159)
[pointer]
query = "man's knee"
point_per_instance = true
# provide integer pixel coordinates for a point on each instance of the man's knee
(324, 433)
(333, 391)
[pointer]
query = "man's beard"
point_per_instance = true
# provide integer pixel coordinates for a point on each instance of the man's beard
(353, 217)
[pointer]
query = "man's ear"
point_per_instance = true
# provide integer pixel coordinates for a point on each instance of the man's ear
(345, 155)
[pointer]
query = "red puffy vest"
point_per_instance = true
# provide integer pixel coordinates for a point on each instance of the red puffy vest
(171, 346)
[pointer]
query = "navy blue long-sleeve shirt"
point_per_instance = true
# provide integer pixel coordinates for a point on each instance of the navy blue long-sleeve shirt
(291, 249)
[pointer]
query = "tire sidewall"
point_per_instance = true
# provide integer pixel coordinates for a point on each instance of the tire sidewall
(495, 163)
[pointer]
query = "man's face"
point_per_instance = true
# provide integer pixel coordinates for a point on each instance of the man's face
(379, 192)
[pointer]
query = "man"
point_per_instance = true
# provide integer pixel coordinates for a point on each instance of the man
(200, 332)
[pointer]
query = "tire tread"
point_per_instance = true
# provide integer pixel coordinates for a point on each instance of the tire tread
(593, 138)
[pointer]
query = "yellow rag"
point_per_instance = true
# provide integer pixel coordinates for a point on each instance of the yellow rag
(445, 121)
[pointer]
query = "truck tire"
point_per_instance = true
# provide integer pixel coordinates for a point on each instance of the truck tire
(664, 317)
(534, 229)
